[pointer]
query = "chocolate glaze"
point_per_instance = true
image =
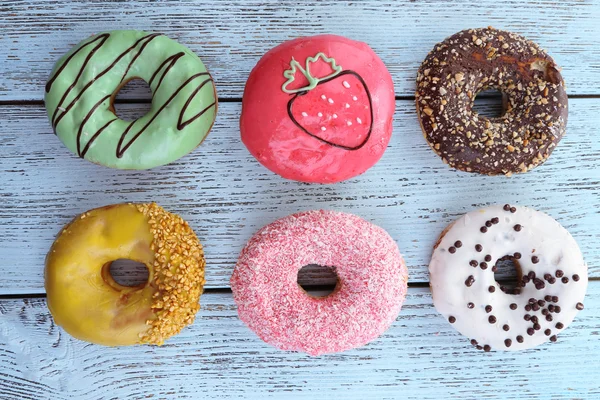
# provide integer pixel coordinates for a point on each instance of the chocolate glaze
(478, 59)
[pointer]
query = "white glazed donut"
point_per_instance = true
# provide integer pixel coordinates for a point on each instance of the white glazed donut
(551, 286)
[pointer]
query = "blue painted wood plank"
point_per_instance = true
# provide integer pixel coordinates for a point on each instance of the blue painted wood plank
(230, 36)
(419, 357)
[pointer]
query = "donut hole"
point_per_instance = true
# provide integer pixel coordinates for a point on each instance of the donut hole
(490, 103)
(124, 273)
(136, 91)
(508, 274)
(317, 280)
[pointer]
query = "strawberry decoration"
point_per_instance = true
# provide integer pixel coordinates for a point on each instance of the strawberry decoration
(328, 103)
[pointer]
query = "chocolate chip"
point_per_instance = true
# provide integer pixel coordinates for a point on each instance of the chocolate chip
(513, 306)
(527, 317)
(555, 299)
(530, 331)
(458, 244)
(549, 317)
(534, 319)
(513, 210)
(532, 300)
(517, 227)
(547, 277)
(478, 248)
(507, 342)
(488, 223)
(539, 284)
(525, 280)
(559, 325)
(452, 250)
(494, 268)
(474, 342)
(548, 298)
(487, 348)
(492, 319)
(479, 348)
(576, 278)
(506, 327)
(535, 259)
(541, 303)
(492, 289)
(488, 309)
(495, 220)
(531, 275)
(483, 229)
(552, 280)
(470, 305)
(517, 291)
(559, 273)
(506, 207)
(451, 319)
(483, 265)
(469, 281)
(535, 307)
(557, 309)
(553, 338)
(503, 288)
(545, 311)
(520, 339)
(527, 307)
(551, 308)
(579, 306)
(565, 279)
(517, 256)
(473, 263)
(537, 326)
(547, 332)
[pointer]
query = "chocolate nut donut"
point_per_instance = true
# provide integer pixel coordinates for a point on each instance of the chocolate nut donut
(474, 60)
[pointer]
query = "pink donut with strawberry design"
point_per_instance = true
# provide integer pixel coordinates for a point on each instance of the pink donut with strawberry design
(318, 109)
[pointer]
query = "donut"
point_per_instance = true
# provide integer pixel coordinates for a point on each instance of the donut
(84, 83)
(474, 60)
(371, 284)
(551, 284)
(318, 109)
(86, 301)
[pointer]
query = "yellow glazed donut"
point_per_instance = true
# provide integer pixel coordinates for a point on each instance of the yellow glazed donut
(87, 302)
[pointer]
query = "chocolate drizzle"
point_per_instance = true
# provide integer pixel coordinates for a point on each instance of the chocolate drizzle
(165, 67)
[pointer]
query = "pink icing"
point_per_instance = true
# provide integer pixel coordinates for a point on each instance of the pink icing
(371, 272)
(337, 111)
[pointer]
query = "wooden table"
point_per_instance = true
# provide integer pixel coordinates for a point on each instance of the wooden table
(226, 196)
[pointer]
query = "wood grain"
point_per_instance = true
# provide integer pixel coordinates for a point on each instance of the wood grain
(230, 36)
(419, 357)
(227, 196)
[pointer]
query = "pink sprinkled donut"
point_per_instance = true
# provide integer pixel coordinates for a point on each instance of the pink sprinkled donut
(372, 282)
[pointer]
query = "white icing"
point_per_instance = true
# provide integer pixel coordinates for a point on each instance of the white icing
(320, 114)
(347, 105)
(541, 236)
(304, 114)
(346, 84)
(334, 116)
(323, 128)
(324, 97)
(354, 98)
(349, 123)
(330, 100)
(358, 120)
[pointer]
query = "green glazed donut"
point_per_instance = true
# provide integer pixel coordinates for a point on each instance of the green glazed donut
(82, 87)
